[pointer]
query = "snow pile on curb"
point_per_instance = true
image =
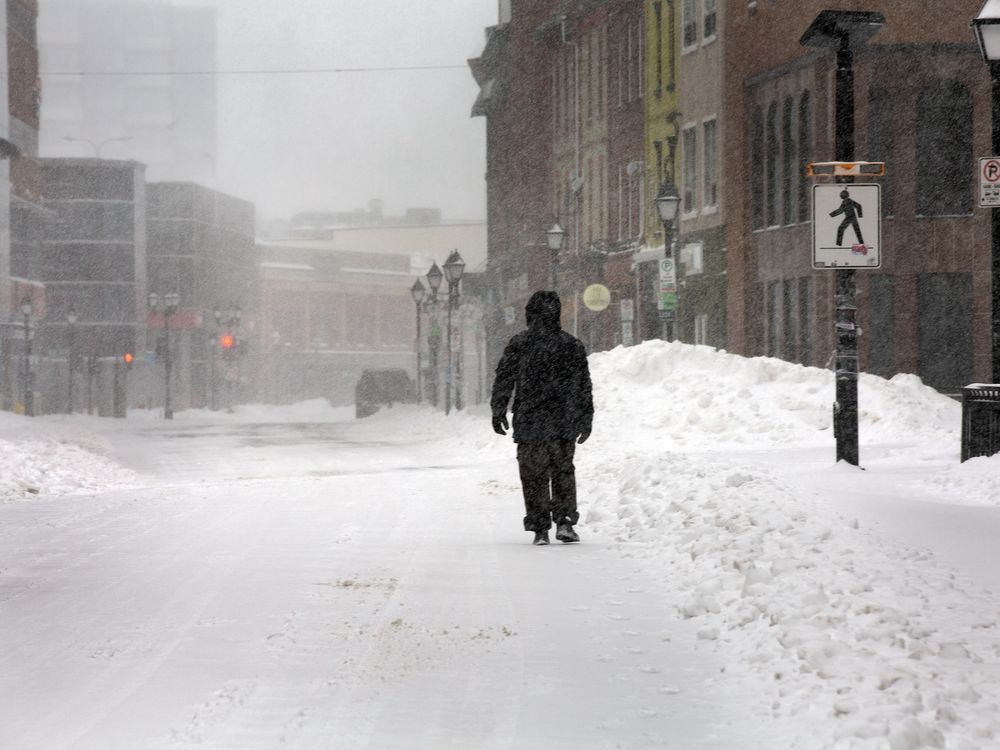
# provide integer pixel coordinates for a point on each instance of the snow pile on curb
(855, 643)
(665, 392)
(58, 459)
(866, 643)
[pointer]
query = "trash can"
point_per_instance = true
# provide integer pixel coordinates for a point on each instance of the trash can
(980, 420)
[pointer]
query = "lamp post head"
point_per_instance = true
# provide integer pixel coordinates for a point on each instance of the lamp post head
(154, 300)
(987, 28)
(417, 291)
(667, 202)
(71, 317)
(835, 29)
(555, 235)
(434, 277)
(454, 267)
(172, 299)
(217, 314)
(26, 305)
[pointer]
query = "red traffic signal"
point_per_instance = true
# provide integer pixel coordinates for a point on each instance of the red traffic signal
(227, 341)
(128, 359)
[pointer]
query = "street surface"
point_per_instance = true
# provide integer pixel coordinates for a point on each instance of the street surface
(297, 585)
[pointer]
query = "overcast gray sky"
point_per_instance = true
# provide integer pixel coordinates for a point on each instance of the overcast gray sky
(332, 141)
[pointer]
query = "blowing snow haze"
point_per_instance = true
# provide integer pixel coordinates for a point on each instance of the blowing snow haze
(292, 141)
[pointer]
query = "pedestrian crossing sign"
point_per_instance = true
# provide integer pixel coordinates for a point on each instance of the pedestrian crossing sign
(847, 225)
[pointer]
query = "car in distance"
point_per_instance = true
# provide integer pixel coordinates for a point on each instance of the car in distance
(377, 388)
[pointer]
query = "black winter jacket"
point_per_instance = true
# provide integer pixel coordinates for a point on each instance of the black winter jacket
(546, 369)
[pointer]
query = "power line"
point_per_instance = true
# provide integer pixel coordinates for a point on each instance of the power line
(253, 72)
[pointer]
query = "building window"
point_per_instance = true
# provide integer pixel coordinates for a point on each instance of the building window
(621, 74)
(693, 257)
(600, 75)
(805, 153)
(773, 318)
(880, 138)
(805, 321)
(788, 337)
(709, 22)
(690, 146)
(771, 167)
(640, 60)
(944, 150)
(658, 22)
(630, 69)
(711, 166)
(690, 27)
(756, 169)
(590, 79)
(788, 177)
(701, 329)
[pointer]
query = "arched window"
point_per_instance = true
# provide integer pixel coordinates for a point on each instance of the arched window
(805, 153)
(944, 150)
(757, 169)
(771, 176)
(881, 138)
(787, 164)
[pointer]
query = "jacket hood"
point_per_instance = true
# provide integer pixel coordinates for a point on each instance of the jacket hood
(543, 310)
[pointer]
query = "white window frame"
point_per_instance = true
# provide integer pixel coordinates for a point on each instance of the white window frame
(693, 258)
(701, 329)
(689, 209)
(708, 38)
(689, 17)
(706, 205)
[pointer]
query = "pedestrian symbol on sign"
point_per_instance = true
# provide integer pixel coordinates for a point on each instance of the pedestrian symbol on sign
(851, 211)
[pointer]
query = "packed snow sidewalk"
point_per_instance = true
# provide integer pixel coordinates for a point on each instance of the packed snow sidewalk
(856, 638)
(715, 474)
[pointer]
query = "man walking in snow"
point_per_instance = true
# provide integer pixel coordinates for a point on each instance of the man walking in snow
(546, 370)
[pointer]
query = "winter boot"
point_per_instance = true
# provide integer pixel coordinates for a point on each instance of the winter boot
(565, 533)
(541, 538)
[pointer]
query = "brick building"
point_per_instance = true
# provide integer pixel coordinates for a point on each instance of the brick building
(923, 106)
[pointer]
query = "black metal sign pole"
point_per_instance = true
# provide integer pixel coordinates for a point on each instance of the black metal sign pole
(845, 410)
(995, 256)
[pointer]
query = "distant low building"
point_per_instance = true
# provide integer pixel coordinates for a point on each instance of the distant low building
(333, 307)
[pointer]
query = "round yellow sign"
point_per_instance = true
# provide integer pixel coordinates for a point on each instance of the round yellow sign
(596, 297)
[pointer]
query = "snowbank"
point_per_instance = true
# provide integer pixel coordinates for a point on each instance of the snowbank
(54, 456)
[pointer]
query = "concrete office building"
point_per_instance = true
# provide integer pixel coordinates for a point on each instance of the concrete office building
(167, 122)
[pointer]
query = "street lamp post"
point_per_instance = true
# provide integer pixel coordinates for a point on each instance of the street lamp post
(554, 236)
(843, 31)
(987, 28)
(434, 276)
(71, 319)
(213, 354)
(453, 269)
(417, 292)
(667, 203)
(170, 301)
(29, 390)
(99, 145)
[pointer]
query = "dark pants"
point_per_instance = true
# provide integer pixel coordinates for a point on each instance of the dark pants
(541, 465)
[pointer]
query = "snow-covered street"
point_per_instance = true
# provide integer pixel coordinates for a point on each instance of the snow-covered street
(297, 578)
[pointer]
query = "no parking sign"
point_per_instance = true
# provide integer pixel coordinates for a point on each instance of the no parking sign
(989, 182)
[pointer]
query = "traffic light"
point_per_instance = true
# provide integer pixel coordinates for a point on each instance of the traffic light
(228, 344)
(128, 359)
